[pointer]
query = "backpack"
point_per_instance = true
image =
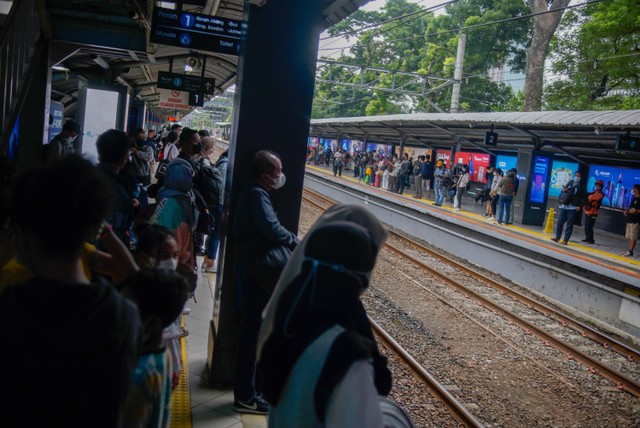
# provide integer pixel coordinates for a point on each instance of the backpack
(208, 181)
(416, 168)
(566, 197)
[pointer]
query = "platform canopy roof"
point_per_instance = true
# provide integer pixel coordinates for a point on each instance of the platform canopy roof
(586, 136)
(106, 42)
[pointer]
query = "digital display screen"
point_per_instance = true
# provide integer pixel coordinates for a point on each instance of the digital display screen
(381, 149)
(329, 143)
(618, 182)
(100, 115)
(444, 155)
(478, 163)
(312, 141)
(506, 162)
(539, 179)
(561, 173)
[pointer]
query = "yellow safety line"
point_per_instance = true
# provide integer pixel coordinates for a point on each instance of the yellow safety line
(181, 398)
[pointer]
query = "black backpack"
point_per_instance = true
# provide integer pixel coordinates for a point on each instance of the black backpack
(208, 182)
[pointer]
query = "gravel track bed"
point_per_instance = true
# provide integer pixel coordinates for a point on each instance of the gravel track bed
(504, 376)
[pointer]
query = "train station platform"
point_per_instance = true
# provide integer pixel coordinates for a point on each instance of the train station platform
(210, 407)
(608, 246)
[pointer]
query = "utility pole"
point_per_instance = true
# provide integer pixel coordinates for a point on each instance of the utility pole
(457, 76)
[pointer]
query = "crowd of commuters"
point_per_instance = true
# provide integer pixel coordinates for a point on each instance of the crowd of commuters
(95, 276)
(442, 183)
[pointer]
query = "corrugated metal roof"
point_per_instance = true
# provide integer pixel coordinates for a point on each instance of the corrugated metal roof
(615, 118)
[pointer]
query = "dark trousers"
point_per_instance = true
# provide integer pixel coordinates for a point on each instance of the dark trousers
(494, 205)
(253, 298)
(589, 222)
(213, 240)
(565, 216)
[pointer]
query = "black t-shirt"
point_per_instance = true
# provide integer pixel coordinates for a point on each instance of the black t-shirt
(73, 346)
(635, 217)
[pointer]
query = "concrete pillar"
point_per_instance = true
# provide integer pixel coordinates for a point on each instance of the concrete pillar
(276, 74)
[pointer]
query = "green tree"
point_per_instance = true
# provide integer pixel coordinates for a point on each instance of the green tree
(426, 44)
(596, 56)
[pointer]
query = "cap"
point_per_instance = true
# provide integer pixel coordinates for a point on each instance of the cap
(600, 182)
(72, 126)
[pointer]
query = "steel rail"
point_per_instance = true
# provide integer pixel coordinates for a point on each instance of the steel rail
(595, 366)
(608, 342)
(459, 412)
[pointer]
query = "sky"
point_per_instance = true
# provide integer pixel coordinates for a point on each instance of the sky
(371, 6)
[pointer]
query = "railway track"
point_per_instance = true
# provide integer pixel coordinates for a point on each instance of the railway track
(538, 319)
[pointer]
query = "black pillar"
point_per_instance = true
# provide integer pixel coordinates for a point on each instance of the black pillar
(276, 74)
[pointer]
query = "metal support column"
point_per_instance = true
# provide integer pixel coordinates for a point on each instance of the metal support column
(276, 73)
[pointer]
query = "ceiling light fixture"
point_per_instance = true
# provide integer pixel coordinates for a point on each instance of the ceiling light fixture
(59, 67)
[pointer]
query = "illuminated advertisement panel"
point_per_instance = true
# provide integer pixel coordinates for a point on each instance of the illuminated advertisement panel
(381, 149)
(312, 141)
(539, 179)
(506, 162)
(618, 182)
(561, 173)
(478, 163)
(329, 143)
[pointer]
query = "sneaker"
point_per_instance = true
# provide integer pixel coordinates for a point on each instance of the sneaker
(456, 209)
(255, 406)
(565, 242)
(627, 254)
(211, 269)
(587, 241)
(554, 239)
(186, 311)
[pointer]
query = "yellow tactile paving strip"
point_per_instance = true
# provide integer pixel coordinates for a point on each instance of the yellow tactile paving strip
(181, 398)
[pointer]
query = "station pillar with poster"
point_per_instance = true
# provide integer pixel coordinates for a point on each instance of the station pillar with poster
(535, 203)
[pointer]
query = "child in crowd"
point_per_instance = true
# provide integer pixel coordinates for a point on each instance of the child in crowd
(157, 248)
(160, 296)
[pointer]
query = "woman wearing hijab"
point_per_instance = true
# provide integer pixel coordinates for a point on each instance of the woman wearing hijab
(319, 364)
(176, 210)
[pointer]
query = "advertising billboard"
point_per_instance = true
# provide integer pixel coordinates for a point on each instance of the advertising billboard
(329, 143)
(100, 115)
(539, 179)
(478, 163)
(381, 149)
(561, 173)
(445, 155)
(506, 162)
(618, 182)
(312, 141)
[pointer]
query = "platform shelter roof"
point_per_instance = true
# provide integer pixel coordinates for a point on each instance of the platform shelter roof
(586, 136)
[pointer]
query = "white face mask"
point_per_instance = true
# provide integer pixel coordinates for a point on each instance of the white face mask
(70, 140)
(576, 179)
(279, 182)
(168, 264)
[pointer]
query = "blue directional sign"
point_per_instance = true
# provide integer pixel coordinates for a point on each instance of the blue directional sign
(195, 31)
(186, 82)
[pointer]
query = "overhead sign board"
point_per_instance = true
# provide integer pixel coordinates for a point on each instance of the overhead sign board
(185, 82)
(195, 31)
(174, 99)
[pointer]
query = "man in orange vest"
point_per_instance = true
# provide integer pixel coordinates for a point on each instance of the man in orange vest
(590, 208)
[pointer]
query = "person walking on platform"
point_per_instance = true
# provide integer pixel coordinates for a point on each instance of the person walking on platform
(632, 213)
(318, 360)
(570, 199)
(505, 189)
(438, 184)
(263, 247)
(58, 329)
(461, 186)
(62, 144)
(590, 208)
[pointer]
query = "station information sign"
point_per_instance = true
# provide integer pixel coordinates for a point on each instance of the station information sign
(195, 31)
(186, 82)
(174, 99)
